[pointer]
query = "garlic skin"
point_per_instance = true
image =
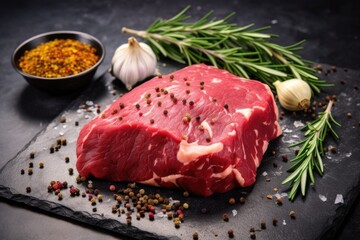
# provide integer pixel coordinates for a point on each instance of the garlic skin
(293, 94)
(133, 62)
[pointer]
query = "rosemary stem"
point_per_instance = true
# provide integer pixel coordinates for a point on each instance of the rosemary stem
(135, 32)
(280, 58)
(145, 34)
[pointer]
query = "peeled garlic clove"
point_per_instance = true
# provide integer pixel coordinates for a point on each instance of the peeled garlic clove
(133, 62)
(293, 94)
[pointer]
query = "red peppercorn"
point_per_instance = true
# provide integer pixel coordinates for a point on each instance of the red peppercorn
(112, 188)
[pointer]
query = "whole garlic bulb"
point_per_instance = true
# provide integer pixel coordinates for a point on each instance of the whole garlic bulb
(293, 94)
(133, 62)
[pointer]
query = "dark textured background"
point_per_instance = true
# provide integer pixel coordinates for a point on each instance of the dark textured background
(332, 31)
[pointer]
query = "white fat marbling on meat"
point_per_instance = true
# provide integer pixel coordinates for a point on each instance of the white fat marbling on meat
(171, 87)
(149, 147)
(189, 152)
(265, 145)
(239, 177)
(89, 132)
(216, 80)
(258, 107)
(243, 149)
(237, 160)
(236, 88)
(207, 127)
(232, 133)
(229, 149)
(142, 96)
(148, 112)
(201, 166)
(189, 128)
(151, 181)
(245, 111)
(224, 173)
(172, 178)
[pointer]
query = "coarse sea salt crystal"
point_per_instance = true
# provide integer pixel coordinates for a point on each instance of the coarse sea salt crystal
(89, 103)
(348, 154)
(286, 130)
(284, 194)
(284, 222)
(322, 198)
(160, 214)
(264, 174)
(339, 198)
(234, 212)
(298, 124)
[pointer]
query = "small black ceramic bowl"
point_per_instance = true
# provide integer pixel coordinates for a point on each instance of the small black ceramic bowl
(61, 84)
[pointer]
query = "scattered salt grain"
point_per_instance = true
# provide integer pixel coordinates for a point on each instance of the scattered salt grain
(61, 133)
(234, 212)
(278, 173)
(280, 195)
(286, 130)
(89, 103)
(264, 174)
(339, 198)
(86, 117)
(322, 198)
(161, 215)
(348, 154)
(284, 222)
(274, 21)
(298, 124)
(173, 200)
(64, 126)
(283, 195)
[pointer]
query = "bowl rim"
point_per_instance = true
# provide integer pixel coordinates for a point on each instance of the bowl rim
(81, 34)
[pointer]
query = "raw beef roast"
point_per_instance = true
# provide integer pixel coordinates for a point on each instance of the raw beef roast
(199, 129)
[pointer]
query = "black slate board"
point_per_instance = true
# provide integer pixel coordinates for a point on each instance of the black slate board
(342, 176)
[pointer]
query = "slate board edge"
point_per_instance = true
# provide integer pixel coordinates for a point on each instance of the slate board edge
(80, 216)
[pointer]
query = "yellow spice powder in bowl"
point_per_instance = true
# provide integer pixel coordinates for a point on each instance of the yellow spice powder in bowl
(59, 62)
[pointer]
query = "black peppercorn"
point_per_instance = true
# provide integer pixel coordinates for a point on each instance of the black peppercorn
(231, 233)
(263, 225)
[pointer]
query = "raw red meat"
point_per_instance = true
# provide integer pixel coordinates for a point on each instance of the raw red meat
(200, 129)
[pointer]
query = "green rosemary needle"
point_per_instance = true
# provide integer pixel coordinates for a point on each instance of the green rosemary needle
(311, 152)
(244, 51)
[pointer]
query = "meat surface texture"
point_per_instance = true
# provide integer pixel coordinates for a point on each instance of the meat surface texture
(199, 129)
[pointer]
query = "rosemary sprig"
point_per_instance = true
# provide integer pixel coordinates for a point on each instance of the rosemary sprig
(244, 51)
(311, 152)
